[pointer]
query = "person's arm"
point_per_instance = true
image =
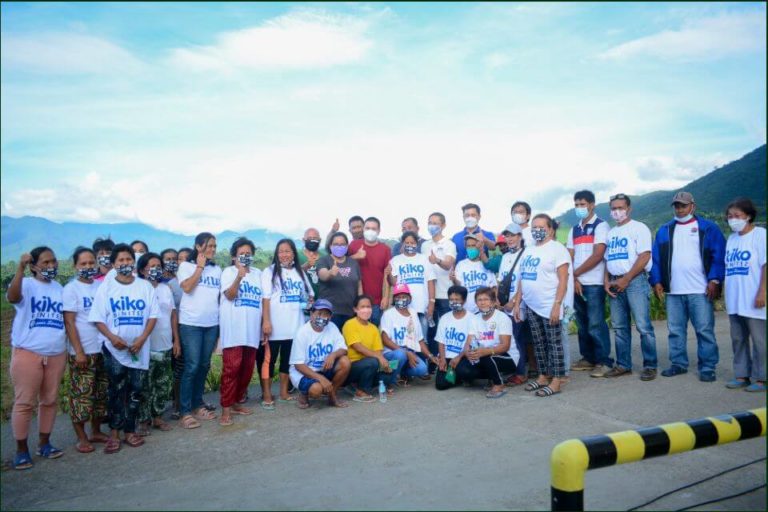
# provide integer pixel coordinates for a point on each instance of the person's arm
(190, 283)
(432, 294)
(366, 352)
(639, 266)
(447, 262)
(441, 357)
(138, 343)
(116, 340)
(359, 287)
(332, 357)
(760, 297)
(14, 289)
(598, 251)
(425, 350)
(175, 333)
(266, 320)
(501, 348)
(562, 287)
(231, 292)
(326, 274)
(385, 289)
(74, 338)
(387, 341)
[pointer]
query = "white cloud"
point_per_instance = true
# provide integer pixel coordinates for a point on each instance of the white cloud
(303, 39)
(65, 53)
(677, 170)
(701, 39)
(496, 60)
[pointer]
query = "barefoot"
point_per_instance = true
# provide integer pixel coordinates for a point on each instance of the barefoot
(335, 402)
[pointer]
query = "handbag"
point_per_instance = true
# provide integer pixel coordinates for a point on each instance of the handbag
(506, 283)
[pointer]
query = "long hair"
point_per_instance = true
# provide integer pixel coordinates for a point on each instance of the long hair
(200, 239)
(277, 269)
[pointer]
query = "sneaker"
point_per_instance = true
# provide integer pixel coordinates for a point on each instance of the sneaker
(599, 371)
(673, 371)
(616, 371)
(707, 376)
(582, 365)
(648, 374)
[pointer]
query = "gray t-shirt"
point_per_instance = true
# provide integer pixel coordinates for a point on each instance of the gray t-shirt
(341, 290)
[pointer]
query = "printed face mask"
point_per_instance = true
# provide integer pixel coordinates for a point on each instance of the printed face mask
(49, 273)
(155, 273)
(87, 273)
(104, 261)
(339, 250)
(410, 250)
(485, 311)
(370, 235)
(433, 229)
(581, 212)
(319, 322)
(402, 303)
(245, 260)
(737, 225)
(473, 252)
(470, 222)
(171, 266)
(312, 245)
(125, 270)
(619, 215)
(456, 306)
(538, 234)
(684, 219)
(518, 218)
(287, 264)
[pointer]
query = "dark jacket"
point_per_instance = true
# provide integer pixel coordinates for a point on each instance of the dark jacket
(711, 247)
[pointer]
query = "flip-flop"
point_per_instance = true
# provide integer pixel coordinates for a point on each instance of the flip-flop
(204, 414)
(364, 399)
(143, 431)
(287, 400)
(112, 446)
(546, 391)
(267, 406)
(534, 385)
(189, 422)
(84, 449)
(134, 440)
(242, 411)
(103, 439)
(226, 421)
(341, 404)
(496, 394)
(175, 415)
(162, 427)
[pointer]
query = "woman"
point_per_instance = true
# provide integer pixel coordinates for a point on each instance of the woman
(170, 266)
(88, 382)
(240, 320)
(403, 337)
(546, 287)
(489, 351)
(470, 272)
(39, 351)
(287, 293)
(745, 295)
(200, 280)
(184, 253)
(163, 342)
(413, 268)
(364, 349)
(140, 248)
(451, 336)
(339, 279)
(125, 312)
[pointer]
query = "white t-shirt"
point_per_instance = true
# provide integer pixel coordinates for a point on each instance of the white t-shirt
(624, 244)
(583, 247)
(487, 332)
(687, 274)
(201, 307)
(473, 275)
(78, 298)
(404, 331)
(161, 338)
(285, 304)
(528, 237)
(175, 287)
(39, 322)
(445, 247)
(415, 271)
(312, 348)
(506, 265)
(744, 260)
(240, 319)
(452, 332)
(538, 277)
(125, 309)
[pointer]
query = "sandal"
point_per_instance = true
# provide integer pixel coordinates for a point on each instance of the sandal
(363, 398)
(287, 400)
(515, 380)
(143, 430)
(226, 421)
(112, 446)
(189, 422)
(243, 411)
(204, 414)
(22, 461)
(161, 425)
(496, 394)
(48, 451)
(533, 385)
(546, 391)
(134, 440)
(98, 437)
(84, 448)
(267, 406)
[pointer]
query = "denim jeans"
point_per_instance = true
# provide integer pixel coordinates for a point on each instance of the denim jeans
(403, 367)
(635, 300)
(521, 331)
(442, 307)
(594, 338)
(698, 308)
(197, 344)
(748, 364)
(365, 373)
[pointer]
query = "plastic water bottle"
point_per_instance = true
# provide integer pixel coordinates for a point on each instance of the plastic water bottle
(473, 346)
(382, 392)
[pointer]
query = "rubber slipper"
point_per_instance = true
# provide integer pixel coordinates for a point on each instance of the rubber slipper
(49, 451)
(533, 385)
(162, 427)
(189, 422)
(22, 461)
(112, 446)
(341, 404)
(226, 421)
(242, 411)
(286, 400)
(134, 440)
(267, 406)
(496, 394)
(175, 415)
(304, 402)
(103, 438)
(546, 391)
(204, 415)
(84, 448)
(363, 399)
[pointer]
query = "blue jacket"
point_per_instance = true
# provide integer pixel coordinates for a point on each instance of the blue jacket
(711, 247)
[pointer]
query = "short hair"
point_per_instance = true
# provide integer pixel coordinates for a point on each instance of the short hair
(620, 196)
(355, 218)
(586, 195)
(744, 204)
(239, 243)
(146, 247)
(412, 219)
(485, 290)
(121, 248)
(409, 234)
(334, 235)
(80, 250)
(166, 251)
(469, 206)
(361, 298)
(551, 223)
(144, 261)
(523, 204)
(373, 219)
(103, 244)
(459, 290)
(37, 252)
(439, 216)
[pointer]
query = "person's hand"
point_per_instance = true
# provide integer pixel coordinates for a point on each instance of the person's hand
(388, 270)
(384, 303)
(554, 315)
(454, 362)
(481, 237)
(137, 344)
(413, 359)
(473, 354)
(452, 274)
(607, 285)
(325, 384)
(201, 259)
(577, 290)
(441, 364)
(266, 330)
(241, 269)
(760, 300)
(430, 311)
(432, 258)
(658, 289)
(713, 290)
(516, 312)
(384, 364)
(81, 360)
(312, 257)
(621, 284)
(118, 343)
(25, 260)
(360, 254)
(329, 362)
(334, 271)
(176, 350)
(336, 226)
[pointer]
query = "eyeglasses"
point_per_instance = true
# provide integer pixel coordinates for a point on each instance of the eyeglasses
(619, 196)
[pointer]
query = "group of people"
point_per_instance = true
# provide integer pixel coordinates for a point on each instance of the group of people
(138, 328)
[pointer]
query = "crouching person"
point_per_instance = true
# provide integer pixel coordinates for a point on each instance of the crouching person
(451, 336)
(319, 362)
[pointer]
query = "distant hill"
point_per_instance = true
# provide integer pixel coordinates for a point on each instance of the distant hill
(19, 235)
(712, 192)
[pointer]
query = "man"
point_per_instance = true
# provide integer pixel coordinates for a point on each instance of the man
(586, 244)
(373, 257)
(628, 261)
(409, 224)
(521, 215)
(319, 362)
(355, 225)
(689, 266)
(102, 248)
(493, 263)
(470, 272)
(471, 213)
(309, 255)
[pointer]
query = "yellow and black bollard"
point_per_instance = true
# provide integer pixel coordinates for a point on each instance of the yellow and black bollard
(573, 458)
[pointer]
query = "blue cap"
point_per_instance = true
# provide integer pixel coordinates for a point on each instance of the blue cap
(322, 304)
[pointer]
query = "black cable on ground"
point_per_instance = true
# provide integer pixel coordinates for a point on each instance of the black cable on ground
(753, 489)
(657, 498)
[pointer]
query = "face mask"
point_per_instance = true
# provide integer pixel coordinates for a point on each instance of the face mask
(364, 313)
(473, 253)
(245, 260)
(538, 234)
(104, 261)
(410, 249)
(319, 322)
(87, 273)
(581, 212)
(155, 273)
(125, 270)
(518, 218)
(485, 311)
(139, 255)
(312, 245)
(737, 225)
(434, 229)
(619, 215)
(49, 273)
(287, 265)
(470, 222)
(685, 219)
(402, 303)
(339, 250)
(504, 249)
(456, 306)
(370, 235)
(171, 266)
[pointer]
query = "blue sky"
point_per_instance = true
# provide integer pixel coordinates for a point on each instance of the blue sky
(233, 116)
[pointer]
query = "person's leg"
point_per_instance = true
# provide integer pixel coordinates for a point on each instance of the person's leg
(621, 328)
(517, 328)
(149, 391)
(555, 353)
(539, 344)
(209, 337)
(162, 382)
(566, 343)
(400, 356)
(231, 358)
(53, 371)
(702, 314)
(117, 394)
(246, 372)
(581, 315)
(338, 375)
(441, 383)
(266, 366)
(442, 306)
(639, 297)
(27, 378)
(677, 325)
(363, 373)
(757, 332)
(598, 329)
(421, 369)
(466, 371)
(177, 364)
(82, 383)
(100, 395)
(191, 345)
(285, 358)
(136, 382)
(742, 359)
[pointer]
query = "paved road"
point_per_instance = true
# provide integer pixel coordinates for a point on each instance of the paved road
(421, 450)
